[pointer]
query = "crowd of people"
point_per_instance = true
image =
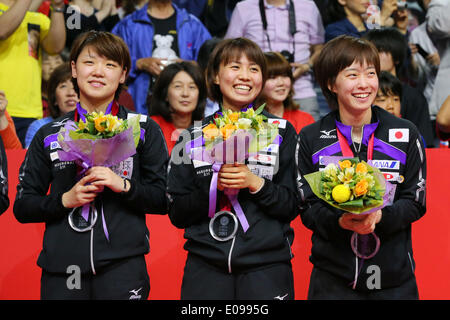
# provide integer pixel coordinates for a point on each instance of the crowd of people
(325, 70)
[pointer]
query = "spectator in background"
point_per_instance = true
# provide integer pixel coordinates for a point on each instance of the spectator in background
(278, 92)
(129, 6)
(100, 15)
(7, 129)
(202, 60)
(349, 17)
(438, 27)
(156, 34)
(392, 47)
(427, 65)
(443, 121)
(389, 96)
(178, 100)
(293, 28)
(62, 98)
(49, 63)
(22, 37)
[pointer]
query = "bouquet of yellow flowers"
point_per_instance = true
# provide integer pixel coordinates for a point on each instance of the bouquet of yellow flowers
(351, 185)
(99, 140)
(96, 140)
(232, 136)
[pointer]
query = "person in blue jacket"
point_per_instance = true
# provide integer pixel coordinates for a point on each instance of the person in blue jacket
(158, 34)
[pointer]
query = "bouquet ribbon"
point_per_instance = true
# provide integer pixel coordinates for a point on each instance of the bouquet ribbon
(232, 195)
(217, 156)
(88, 153)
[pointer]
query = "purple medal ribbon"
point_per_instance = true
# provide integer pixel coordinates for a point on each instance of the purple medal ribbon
(232, 195)
(85, 209)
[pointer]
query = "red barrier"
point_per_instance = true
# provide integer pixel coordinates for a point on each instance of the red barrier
(21, 244)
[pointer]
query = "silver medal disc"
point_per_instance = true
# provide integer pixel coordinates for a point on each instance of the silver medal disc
(223, 226)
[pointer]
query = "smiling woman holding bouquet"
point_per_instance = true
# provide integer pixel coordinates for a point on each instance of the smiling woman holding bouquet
(240, 247)
(96, 236)
(361, 256)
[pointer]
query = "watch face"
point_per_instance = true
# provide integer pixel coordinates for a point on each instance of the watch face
(223, 226)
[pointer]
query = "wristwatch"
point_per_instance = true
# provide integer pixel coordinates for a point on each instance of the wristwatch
(62, 9)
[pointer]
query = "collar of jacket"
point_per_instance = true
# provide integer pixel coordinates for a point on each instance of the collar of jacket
(368, 129)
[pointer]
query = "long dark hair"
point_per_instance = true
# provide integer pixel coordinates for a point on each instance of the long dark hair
(159, 104)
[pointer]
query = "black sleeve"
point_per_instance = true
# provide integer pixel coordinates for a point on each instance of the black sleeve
(33, 203)
(410, 203)
(188, 192)
(315, 214)
(278, 198)
(148, 190)
(4, 199)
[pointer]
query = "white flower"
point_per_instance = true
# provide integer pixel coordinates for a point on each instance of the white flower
(244, 123)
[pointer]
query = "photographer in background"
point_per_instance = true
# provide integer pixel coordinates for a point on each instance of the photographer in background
(292, 27)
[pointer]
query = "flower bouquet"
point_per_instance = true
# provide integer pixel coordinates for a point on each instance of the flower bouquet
(232, 137)
(356, 187)
(351, 185)
(96, 140)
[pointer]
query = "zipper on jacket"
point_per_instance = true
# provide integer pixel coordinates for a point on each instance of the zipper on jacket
(410, 261)
(289, 246)
(229, 254)
(92, 251)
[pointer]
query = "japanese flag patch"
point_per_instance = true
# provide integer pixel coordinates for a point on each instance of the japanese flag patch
(398, 135)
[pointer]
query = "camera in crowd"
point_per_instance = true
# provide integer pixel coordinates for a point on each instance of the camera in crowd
(289, 56)
(402, 5)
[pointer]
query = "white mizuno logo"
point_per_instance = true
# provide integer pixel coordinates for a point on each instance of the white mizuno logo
(135, 294)
(327, 134)
(281, 297)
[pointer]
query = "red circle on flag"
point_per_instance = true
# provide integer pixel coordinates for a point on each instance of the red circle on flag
(399, 135)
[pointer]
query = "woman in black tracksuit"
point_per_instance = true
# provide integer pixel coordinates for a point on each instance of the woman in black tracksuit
(347, 70)
(255, 264)
(107, 260)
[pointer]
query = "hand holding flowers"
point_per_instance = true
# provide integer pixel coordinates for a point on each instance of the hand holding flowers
(350, 185)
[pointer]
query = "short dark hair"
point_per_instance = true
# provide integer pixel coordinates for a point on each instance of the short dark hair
(159, 104)
(105, 44)
(389, 40)
(338, 54)
(390, 85)
(334, 12)
(61, 73)
(277, 65)
(226, 51)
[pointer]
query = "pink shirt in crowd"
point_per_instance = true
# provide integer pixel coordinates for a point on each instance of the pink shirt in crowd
(246, 22)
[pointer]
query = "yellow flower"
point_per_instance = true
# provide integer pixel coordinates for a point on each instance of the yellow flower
(345, 164)
(361, 168)
(227, 130)
(211, 131)
(361, 188)
(98, 121)
(234, 116)
(81, 125)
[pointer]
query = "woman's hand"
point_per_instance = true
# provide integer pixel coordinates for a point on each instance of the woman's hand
(104, 177)
(360, 223)
(81, 193)
(238, 176)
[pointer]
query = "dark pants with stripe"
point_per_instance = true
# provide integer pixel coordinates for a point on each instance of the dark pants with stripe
(206, 282)
(126, 279)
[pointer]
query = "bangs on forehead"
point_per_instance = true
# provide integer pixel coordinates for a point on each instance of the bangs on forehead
(361, 54)
(235, 54)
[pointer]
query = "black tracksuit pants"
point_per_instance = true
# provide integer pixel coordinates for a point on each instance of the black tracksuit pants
(206, 282)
